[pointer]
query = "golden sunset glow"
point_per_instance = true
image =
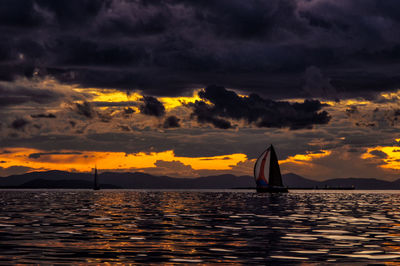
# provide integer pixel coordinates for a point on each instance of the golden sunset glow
(391, 95)
(172, 102)
(305, 158)
(84, 161)
(110, 95)
(392, 160)
(346, 103)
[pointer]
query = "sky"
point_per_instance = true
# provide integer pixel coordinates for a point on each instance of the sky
(196, 88)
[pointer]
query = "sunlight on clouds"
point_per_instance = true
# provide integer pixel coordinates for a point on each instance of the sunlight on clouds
(347, 102)
(305, 158)
(392, 158)
(109, 95)
(391, 95)
(173, 102)
(85, 160)
(112, 95)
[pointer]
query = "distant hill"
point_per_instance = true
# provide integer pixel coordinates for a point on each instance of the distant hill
(62, 179)
(296, 181)
(293, 180)
(68, 184)
(57, 179)
(16, 180)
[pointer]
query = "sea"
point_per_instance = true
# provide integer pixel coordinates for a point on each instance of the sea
(199, 226)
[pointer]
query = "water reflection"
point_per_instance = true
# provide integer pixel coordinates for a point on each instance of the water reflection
(209, 227)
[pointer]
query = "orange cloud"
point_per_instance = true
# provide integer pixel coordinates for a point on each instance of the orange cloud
(305, 158)
(391, 159)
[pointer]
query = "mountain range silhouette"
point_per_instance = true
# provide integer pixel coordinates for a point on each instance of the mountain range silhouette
(62, 179)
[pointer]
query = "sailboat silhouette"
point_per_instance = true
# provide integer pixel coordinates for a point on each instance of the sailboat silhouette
(96, 184)
(267, 173)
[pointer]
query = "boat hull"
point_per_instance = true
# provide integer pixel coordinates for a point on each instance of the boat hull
(272, 190)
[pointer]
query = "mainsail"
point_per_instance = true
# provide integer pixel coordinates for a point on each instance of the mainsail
(266, 170)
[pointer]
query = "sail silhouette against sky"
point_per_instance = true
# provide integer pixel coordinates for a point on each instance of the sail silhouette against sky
(194, 88)
(267, 173)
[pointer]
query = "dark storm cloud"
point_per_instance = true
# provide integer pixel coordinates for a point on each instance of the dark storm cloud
(379, 154)
(73, 12)
(277, 48)
(80, 52)
(19, 14)
(256, 110)
(50, 115)
(206, 114)
(19, 124)
(85, 109)
(384, 117)
(151, 106)
(128, 111)
(171, 122)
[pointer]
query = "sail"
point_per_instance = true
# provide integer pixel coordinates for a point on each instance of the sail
(261, 169)
(275, 177)
(266, 169)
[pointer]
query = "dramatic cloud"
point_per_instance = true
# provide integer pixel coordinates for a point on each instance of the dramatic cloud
(206, 114)
(11, 94)
(19, 123)
(339, 164)
(152, 106)
(273, 48)
(85, 109)
(379, 154)
(112, 75)
(318, 86)
(171, 122)
(256, 110)
(379, 115)
(44, 116)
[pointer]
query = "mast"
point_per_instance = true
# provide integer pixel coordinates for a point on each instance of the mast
(96, 180)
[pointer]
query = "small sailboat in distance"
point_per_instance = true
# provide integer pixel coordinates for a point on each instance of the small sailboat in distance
(267, 173)
(96, 184)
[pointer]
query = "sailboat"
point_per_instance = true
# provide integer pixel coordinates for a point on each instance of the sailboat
(267, 173)
(96, 185)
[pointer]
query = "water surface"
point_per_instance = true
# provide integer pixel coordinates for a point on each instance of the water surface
(78, 226)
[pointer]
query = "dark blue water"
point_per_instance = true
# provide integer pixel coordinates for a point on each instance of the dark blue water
(201, 227)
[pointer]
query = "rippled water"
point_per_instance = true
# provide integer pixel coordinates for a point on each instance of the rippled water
(201, 227)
